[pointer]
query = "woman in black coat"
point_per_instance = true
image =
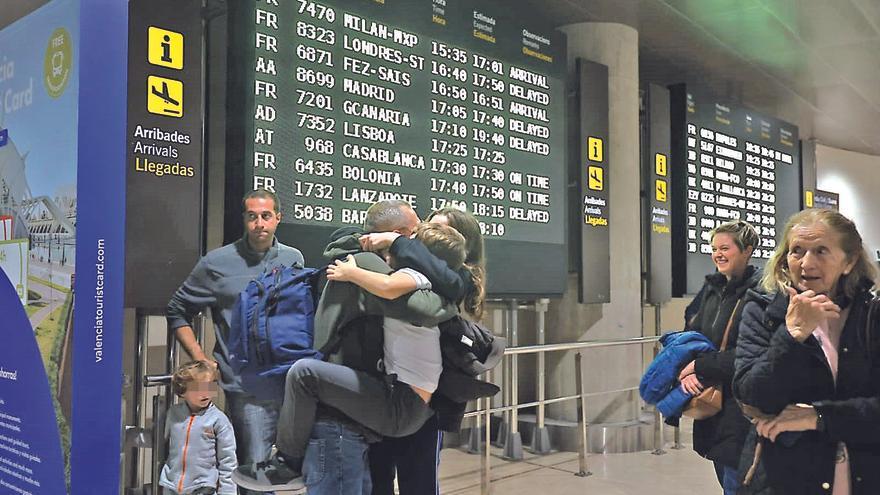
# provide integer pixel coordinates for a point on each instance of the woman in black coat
(806, 361)
(720, 438)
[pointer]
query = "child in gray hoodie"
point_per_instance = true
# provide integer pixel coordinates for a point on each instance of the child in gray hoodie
(201, 443)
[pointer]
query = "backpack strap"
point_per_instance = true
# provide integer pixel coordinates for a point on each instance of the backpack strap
(729, 324)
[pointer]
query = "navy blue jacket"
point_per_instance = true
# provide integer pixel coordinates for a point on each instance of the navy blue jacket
(660, 384)
(773, 370)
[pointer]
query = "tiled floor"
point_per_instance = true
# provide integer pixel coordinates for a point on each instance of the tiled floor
(674, 473)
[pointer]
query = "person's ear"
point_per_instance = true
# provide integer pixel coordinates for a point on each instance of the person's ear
(849, 266)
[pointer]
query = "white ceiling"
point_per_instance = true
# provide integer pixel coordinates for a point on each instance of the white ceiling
(815, 63)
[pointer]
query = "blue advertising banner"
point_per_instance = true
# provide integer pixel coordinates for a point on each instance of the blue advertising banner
(98, 323)
(39, 91)
(30, 450)
(63, 100)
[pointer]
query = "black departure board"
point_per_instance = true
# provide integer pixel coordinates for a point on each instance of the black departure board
(729, 163)
(335, 105)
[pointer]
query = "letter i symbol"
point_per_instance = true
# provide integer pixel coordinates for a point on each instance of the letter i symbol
(166, 49)
(594, 145)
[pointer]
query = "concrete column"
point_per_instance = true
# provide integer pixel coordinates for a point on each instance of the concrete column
(616, 46)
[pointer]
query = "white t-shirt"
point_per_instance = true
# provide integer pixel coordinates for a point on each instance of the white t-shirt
(413, 352)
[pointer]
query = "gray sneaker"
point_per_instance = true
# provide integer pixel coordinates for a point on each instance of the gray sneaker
(267, 476)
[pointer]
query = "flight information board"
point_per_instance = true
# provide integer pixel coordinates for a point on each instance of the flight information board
(729, 163)
(335, 105)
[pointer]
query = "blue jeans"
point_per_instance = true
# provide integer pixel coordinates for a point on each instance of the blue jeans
(254, 423)
(728, 477)
(336, 461)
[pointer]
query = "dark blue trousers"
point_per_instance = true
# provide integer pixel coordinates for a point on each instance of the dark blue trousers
(414, 458)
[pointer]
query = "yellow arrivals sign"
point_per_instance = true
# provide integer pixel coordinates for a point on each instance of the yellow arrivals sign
(164, 96)
(596, 176)
(165, 48)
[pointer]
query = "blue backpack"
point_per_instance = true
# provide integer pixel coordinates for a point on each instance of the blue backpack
(272, 327)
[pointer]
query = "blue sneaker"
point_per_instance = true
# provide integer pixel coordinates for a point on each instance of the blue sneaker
(271, 475)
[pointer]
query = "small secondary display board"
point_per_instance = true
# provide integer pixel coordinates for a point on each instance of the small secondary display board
(729, 163)
(593, 169)
(825, 199)
(656, 196)
(335, 105)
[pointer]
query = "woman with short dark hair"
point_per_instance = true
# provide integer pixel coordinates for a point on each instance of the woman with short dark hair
(720, 438)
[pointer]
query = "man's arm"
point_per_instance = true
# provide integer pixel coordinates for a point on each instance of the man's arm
(338, 303)
(422, 307)
(342, 302)
(187, 339)
(191, 298)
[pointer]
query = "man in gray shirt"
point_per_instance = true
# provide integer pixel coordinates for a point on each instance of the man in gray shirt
(215, 283)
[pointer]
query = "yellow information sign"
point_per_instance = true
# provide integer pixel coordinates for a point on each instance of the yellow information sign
(165, 96)
(808, 198)
(660, 164)
(165, 48)
(596, 176)
(660, 190)
(594, 149)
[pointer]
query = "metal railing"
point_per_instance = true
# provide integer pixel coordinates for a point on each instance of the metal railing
(581, 396)
(482, 416)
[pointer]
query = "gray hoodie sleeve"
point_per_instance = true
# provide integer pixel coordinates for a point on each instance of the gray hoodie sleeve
(226, 460)
(193, 296)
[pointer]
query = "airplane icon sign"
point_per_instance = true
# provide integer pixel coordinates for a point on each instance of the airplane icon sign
(164, 96)
(596, 178)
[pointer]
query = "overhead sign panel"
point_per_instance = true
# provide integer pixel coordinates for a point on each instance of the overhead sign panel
(594, 162)
(164, 158)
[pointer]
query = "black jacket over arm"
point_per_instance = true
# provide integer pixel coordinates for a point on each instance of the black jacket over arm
(721, 437)
(773, 370)
(411, 253)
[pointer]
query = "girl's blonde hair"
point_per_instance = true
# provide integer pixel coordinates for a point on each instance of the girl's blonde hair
(776, 272)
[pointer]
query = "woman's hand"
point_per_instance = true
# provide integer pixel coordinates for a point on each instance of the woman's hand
(690, 369)
(806, 310)
(691, 384)
(795, 417)
(340, 271)
(377, 241)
